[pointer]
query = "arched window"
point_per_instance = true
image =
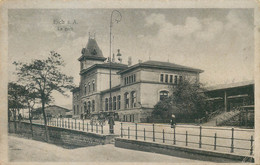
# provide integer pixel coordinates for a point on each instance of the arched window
(93, 83)
(126, 100)
(93, 105)
(89, 87)
(133, 99)
(85, 107)
(106, 104)
(163, 95)
(110, 103)
(119, 102)
(89, 106)
(114, 103)
(85, 89)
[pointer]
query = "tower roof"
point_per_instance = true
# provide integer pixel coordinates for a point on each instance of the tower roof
(92, 51)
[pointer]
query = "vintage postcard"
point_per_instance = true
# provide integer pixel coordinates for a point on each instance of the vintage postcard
(129, 82)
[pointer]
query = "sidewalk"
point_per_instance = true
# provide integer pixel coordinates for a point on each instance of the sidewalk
(27, 150)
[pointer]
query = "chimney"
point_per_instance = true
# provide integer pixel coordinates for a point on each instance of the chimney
(113, 58)
(129, 61)
(119, 56)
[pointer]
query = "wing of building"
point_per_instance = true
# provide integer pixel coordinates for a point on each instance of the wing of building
(135, 89)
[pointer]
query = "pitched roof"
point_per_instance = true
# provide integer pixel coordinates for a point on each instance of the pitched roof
(117, 66)
(231, 85)
(92, 51)
(161, 65)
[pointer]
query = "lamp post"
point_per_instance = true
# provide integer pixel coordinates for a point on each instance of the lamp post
(112, 20)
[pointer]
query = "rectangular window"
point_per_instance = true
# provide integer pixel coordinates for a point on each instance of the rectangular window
(180, 79)
(126, 80)
(161, 79)
(74, 110)
(134, 78)
(93, 83)
(175, 80)
(106, 104)
(166, 78)
(171, 78)
(130, 79)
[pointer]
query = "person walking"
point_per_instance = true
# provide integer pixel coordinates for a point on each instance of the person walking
(111, 123)
(173, 121)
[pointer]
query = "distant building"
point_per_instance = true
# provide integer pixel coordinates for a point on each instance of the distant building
(52, 110)
(135, 89)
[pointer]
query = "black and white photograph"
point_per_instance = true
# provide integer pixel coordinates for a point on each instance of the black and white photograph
(124, 84)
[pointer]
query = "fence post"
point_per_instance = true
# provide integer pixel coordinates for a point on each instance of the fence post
(121, 130)
(144, 134)
(135, 131)
(83, 124)
(153, 134)
(215, 141)
(163, 135)
(232, 140)
(68, 122)
(75, 123)
(186, 138)
(96, 128)
(251, 149)
(200, 137)
(128, 133)
(174, 135)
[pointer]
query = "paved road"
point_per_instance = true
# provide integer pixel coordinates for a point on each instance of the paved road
(21, 149)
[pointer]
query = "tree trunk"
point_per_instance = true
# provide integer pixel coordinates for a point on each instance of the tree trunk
(15, 126)
(30, 118)
(45, 120)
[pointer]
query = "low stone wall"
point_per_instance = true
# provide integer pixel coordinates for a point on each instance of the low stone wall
(60, 135)
(184, 152)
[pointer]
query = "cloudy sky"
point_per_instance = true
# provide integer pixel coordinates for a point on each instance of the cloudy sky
(218, 41)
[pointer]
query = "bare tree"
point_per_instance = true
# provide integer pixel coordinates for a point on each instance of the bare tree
(44, 77)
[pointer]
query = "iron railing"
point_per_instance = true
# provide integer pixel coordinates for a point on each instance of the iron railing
(142, 132)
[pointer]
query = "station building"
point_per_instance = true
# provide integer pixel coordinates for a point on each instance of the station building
(135, 89)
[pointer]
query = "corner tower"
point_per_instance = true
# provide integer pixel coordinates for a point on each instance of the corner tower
(91, 55)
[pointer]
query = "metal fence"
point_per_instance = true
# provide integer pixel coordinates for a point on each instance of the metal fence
(164, 134)
(75, 124)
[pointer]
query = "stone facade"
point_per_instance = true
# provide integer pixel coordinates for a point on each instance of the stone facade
(134, 89)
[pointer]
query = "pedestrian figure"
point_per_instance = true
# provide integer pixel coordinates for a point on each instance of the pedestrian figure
(19, 117)
(111, 123)
(173, 121)
(206, 116)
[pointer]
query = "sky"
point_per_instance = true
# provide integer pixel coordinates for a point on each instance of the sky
(218, 41)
